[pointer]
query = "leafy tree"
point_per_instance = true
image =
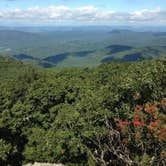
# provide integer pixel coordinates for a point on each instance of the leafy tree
(72, 115)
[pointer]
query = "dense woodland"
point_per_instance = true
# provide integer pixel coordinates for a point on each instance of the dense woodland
(114, 114)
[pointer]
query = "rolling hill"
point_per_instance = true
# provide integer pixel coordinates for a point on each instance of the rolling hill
(81, 48)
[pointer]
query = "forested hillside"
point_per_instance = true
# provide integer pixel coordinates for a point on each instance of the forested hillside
(114, 114)
(81, 47)
(9, 68)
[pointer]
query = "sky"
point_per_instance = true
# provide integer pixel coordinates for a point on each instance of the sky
(83, 12)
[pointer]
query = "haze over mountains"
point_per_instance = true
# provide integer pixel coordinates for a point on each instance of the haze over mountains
(82, 46)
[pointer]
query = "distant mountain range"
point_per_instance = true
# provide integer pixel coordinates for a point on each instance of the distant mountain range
(81, 48)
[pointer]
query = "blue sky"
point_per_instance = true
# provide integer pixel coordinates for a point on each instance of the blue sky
(83, 11)
(118, 5)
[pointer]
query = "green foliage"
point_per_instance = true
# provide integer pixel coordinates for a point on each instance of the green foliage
(63, 115)
(5, 149)
(9, 67)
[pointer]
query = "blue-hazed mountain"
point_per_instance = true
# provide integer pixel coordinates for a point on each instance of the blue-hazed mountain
(81, 47)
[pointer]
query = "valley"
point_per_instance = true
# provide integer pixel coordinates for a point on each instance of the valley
(81, 47)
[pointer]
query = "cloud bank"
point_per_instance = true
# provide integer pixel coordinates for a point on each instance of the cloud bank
(81, 15)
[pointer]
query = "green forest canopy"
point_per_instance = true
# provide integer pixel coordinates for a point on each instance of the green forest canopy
(70, 116)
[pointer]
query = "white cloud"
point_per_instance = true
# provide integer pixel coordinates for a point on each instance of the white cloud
(86, 14)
